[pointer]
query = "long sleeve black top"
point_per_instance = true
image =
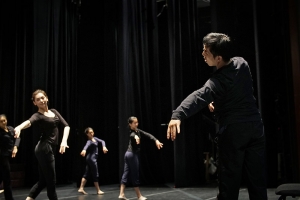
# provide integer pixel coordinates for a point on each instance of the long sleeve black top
(7, 141)
(231, 90)
(133, 146)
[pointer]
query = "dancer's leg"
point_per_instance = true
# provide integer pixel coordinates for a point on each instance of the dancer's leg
(82, 184)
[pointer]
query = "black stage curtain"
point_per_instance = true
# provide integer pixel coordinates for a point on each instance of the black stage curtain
(38, 50)
(188, 72)
(97, 86)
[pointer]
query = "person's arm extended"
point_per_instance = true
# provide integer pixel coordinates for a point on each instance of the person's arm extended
(104, 149)
(191, 105)
(83, 152)
(64, 144)
(24, 125)
(158, 144)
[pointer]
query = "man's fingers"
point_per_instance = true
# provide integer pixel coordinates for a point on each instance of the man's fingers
(178, 128)
(173, 132)
(168, 133)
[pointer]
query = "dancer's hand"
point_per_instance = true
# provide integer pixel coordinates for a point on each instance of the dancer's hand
(14, 152)
(173, 128)
(211, 107)
(17, 132)
(83, 152)
(137, 139)
(63, 147)
(105, 150)
(159, 144)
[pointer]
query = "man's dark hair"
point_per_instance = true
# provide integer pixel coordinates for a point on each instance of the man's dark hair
(219, 44)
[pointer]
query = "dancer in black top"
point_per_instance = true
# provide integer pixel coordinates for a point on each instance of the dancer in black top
(48, 121)
(8, 148)
(91, 151)
(241, 139)
(131, 158)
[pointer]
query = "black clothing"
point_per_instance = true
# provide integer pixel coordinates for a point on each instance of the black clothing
(131, 169)
(7, 141)
(131, 158)
(5, 176)
(231, 90)
(242, 151)
(91, 168)
(241, 144)
(45, 151)
(48, 125)
(133, 146)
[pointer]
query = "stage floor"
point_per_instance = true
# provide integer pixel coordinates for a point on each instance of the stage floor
(161, 192)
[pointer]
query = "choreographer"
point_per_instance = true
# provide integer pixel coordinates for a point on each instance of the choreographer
(241, 137)
(8, 148)
(91, 151)
(48, 121)
(131, 158)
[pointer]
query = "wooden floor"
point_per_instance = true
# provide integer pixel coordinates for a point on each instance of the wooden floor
(161, 192)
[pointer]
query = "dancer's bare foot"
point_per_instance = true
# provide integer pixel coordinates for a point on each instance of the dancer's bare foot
(82, 191)
(123, 198)
(142, 198)
(100, 192)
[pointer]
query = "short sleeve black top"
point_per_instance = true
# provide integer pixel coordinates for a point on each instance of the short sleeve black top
(48, 126)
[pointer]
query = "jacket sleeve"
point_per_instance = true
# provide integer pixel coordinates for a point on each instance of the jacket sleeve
(197, 100)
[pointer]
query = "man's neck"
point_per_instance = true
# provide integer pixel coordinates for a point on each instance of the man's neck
(223, 63)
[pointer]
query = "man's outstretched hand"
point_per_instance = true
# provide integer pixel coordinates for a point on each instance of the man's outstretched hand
(173, 128)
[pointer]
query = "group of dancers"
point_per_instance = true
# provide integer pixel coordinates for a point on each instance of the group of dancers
(228, 94)
(48, 120)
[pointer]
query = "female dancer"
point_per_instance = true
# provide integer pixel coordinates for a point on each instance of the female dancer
(131, 158)
(91, 147)
(47, 120)
(8, 147)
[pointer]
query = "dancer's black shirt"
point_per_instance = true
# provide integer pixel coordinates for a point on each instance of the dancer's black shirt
(133, 146)
(231, 90)
(7, 141)
(48, 126)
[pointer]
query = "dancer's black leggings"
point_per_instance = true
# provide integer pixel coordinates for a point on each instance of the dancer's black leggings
(44, 153)
(5, 177)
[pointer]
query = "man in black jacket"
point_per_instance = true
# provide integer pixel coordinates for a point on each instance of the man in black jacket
(241, 140)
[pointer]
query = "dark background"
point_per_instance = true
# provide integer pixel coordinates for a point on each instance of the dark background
(103, 61)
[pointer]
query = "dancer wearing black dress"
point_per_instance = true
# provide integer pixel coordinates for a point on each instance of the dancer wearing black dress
(47, 120)
(8, 148)
(91, 151)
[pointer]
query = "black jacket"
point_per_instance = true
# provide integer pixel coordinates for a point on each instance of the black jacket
(231, 90)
